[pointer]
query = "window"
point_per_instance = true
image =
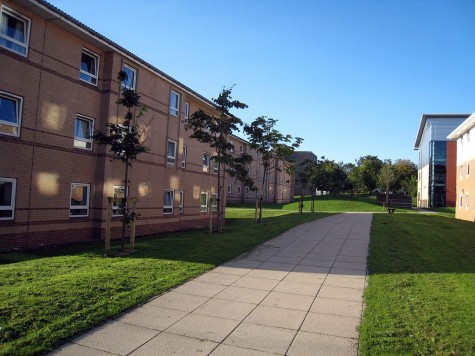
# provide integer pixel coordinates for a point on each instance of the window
(204, 202)
(467, 201)
(239, 191)
(461, 172)
(246, 191)
(232, 146)
(168, 198)
(171, 152)
(468, 169)
(89, 67)
(174, 103)
(183, 157)
(14, 31)
(83, 132)
(182, 202)
(241, 149)
(460, 200)
(79, 205)
(129, 83)
(214, 201)
(215, 167)
(205, 162)
(10, 114)
(118, 207)
(7, 198)
(187, 112)
(230, 190)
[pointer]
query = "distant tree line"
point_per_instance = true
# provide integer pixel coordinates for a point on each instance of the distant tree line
(368, 174)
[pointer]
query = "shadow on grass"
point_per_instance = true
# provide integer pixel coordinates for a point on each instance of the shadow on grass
(196, 246)
(421, 243)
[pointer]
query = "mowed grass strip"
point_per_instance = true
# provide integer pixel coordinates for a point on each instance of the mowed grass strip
(420, 299)
(328, 203)
(51, 295)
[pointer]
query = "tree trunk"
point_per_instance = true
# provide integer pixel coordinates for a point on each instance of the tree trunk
(125, 214)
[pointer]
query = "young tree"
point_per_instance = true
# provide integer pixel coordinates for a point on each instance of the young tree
(272, 146)
(215, 130)
(387, 178)
(125, 140)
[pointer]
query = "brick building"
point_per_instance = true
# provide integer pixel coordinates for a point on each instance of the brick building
(58, 84)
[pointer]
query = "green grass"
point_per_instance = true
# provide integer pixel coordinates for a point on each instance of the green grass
(421, 294)
(329, 203)
(48, 296)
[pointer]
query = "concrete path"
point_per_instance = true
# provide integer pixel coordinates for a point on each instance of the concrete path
(300, 293)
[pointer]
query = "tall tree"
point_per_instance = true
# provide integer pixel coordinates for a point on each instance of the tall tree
(368, 167)
(215, 130)
(404, 170)
(272, 146)
(125, 140)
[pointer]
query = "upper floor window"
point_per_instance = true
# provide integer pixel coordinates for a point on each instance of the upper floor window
(241, 149)
(174, 103)
(232, 146)
(215, 167)
(83, 132)
(171, 152)
(89, 71)
(468, 169)
(187, 112)
(10, 114)
(183, 157)
(205, 162)
(7, 198)
(14, 31)
(129, 83)
(79, 205)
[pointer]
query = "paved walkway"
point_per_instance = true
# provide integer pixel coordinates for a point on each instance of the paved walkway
(297, 294)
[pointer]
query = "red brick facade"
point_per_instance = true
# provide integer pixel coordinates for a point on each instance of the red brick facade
(43, 161)
(451, 174)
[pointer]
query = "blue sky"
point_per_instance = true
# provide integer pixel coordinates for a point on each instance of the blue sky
(351, 77)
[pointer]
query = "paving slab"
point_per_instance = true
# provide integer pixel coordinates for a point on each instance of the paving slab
(179, 301)
(329, 324)
(278, 317)
(200, 288)
(227, 309)
(245, 295)
(228, 350)
(218, 278)
(310, 344)
(337, 307)
(152, 317)
(170, 344)
(288, 301)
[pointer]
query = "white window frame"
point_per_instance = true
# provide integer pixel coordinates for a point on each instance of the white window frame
(115, 206)
(175, 111)
(10, 207)
(183, 156)
(230, 190)
(127, 84)
(171, 159)
(239, 191)
(214, 201)
(232, 148)
(94, 77)
(186, 114)
(182, 202)
(19, 106)
(467, 201)
(206, 158)
(215, 167)
(241, 149)
(246, 191)
(79, 207)
(204, 208)
(80, 142)
(168, 209)
(4, 37)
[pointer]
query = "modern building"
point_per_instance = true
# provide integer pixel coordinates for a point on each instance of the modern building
(299, 157)
(58, 83)
(277, 187)
(464, 134)
(437, 155)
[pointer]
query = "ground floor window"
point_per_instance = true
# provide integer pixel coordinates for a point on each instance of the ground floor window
(79, 204)
(168, 198)
(182, 202)
(119, 206)
(7, 198)
(204, 202)
(214, 201)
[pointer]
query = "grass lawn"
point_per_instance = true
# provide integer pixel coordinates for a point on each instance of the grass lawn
(330, 203)
(421, 294)
(48, 296)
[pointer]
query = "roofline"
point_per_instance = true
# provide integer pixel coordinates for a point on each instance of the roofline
(465, 126)
(42, 6)
(434, 116)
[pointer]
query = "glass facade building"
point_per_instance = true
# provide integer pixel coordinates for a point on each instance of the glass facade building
(437, 173)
